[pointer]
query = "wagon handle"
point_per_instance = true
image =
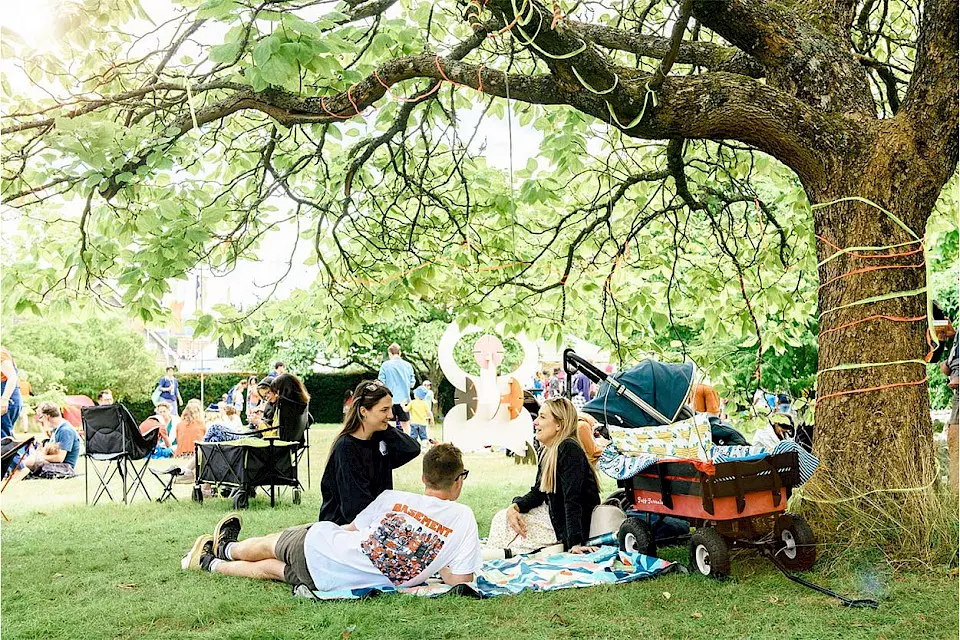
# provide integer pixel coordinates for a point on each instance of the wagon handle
(860, 603)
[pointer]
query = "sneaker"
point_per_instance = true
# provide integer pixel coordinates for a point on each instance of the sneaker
(202, 548)
(226, 531)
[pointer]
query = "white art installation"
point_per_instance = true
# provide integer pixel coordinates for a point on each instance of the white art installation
(489, 409)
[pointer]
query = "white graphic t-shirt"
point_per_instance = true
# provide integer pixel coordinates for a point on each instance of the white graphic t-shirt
(401, 540)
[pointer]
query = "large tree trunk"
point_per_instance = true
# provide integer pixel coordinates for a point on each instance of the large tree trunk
(879, 440)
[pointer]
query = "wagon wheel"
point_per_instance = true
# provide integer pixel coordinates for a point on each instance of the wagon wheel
(240, 499)
(794, 542)
(709, 554)
(197, 494)
(635, 536)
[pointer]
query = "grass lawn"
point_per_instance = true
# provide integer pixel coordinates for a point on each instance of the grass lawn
(111, 571)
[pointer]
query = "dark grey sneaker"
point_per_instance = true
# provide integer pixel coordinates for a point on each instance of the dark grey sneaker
(201, 551)
(226, 531)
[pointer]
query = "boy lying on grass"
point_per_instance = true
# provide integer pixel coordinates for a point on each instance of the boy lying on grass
(400, 540)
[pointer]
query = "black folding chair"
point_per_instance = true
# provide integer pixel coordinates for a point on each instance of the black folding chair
(114, 439)
(295, 427)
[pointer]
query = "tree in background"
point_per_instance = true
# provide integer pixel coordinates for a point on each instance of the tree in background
(83, 357)
(681, 146)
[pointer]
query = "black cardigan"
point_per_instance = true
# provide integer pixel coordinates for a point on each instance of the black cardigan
(575, 495)
(360, 470)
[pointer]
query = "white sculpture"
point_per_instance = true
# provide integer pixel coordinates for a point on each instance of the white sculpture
(489, 410)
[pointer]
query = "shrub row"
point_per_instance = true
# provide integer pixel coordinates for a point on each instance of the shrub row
(326, 392)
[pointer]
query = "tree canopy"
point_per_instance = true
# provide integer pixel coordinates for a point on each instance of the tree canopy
(712, 168)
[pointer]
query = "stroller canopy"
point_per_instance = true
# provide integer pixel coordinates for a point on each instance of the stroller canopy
(662, 386)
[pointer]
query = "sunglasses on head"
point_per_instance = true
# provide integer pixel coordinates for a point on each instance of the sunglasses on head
(373, 386)
(463, 474)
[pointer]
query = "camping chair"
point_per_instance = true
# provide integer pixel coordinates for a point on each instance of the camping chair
(113, 438)
(295, 427)
(11, 448)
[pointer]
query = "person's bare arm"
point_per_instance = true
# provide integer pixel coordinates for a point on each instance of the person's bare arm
(945, 368)
(452, 579)
(13, 379)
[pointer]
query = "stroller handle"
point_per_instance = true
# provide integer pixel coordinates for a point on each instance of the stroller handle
(573, 363)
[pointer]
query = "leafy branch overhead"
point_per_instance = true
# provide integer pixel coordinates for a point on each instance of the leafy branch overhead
(358, 123)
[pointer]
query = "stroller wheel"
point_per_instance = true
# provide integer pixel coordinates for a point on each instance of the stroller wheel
(794, 542)
(709, 554)
(618, 498)
(296, 496)
(197, 494)
(240, 499)
(635, 536)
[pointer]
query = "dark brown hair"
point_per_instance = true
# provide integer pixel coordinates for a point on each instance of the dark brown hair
(441, 466)
(367, 394)
(290, 387)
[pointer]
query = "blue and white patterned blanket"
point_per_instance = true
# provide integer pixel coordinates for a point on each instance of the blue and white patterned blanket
(621, 466)
(607, 565)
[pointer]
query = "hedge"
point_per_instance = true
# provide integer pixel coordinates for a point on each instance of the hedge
(326, 392)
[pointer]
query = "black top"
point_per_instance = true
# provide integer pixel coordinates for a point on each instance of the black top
(575, 495)
(360, 470)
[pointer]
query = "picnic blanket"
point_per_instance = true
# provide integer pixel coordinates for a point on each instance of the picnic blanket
(633, 450)
(528, 573)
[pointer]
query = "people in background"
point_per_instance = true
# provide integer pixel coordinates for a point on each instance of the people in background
(387, 544)
(780, 426)
(238, 395)
(57, 458)
(231, 417)
(268, 400)
(582, 386)
(104, 397)
(419, 410)
(191, 429)
(364, 454)
(285, 386)
(566, 481)
(159, 421)
(170, 390)
(951, 368)
(253, 397)
(10, 401)
(430, 400)
(397, 374)
(278, 369)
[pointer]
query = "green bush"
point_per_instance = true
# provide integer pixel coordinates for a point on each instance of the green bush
(326, 392)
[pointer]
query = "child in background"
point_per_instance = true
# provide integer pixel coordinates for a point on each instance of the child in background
(419, 410)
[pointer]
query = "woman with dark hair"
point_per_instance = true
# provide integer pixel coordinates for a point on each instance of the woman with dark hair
(285, 386)
(364, 454)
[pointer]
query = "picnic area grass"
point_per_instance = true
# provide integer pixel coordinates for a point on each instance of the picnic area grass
(113, 571)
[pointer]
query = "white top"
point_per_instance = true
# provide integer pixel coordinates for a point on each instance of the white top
(401, 540)
(766, 437)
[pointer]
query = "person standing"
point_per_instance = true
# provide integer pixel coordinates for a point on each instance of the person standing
(581, 386)
(397, 374)
(951, 368)
(237, 395)
(170, 390)
(10, 402)
(429, 399)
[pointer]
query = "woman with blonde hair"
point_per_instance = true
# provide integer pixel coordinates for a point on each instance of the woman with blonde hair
(192, 428)
(566, 481)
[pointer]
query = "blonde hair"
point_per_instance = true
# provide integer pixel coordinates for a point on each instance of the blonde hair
(193, 412)
(563, 411)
